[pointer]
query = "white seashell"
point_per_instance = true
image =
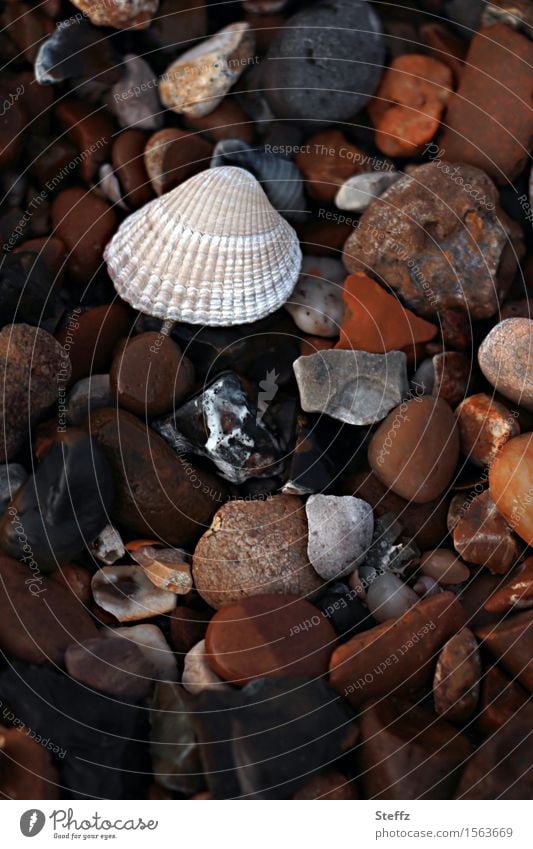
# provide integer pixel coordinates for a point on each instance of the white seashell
(199, 79)
(316, 304)
(357, 193)
(119, 13)
(212, 251)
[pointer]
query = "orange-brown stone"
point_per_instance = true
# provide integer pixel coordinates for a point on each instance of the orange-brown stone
(511, 484)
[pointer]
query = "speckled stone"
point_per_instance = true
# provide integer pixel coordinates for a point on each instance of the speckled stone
(316, 302)
(255, 547)
(516, 594)
(510, 375)
(511, 484)
(353, 386)
(483, 536)
(457, 676)
(485, 426)
(340, 533)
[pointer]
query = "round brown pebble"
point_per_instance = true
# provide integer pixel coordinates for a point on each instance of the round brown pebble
(171, 156)
(444, 567)
(150, 375)
(327, 161)
(91, 337)
(113, 666)
(127, 157)
(85, 223)
(483, 536)
(485, 426)
(415, 449)
(457, 676)
(255, 547)
(511, 484)
(91, 131)
(269, 636)
(506, 359)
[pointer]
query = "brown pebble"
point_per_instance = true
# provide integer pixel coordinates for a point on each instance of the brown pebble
(483, 536)
(456, 680)
(150, 375)
(255, 547)
(485, 426)
(127, 157)
(269, 636)
(113, 666)
(415, 449)
(93, 335)
(26, 768)
(85, 223)
(510, 375)
(329, 785)
(75, 578)
(516, 594)
(511, 642)
(327, 161)
(452, 372)
(500, 699)
(171, 156)
(227, 121)
(187, 628)
(511, 484)
(91, 131)
(52, 251)
(396, 656)
(444, 567)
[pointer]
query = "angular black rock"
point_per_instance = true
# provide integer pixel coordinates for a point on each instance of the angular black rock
(325, 63)
(266, 740)
(105, 741)
(63, 507)
(77, 49)
(345, 611)
(224, 424)
(27, 295)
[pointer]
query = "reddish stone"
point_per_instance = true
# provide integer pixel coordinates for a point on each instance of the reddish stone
(171, 156)
(517, 593)
(27, 28)
(76, 579)
(490, 126)
(408, 105)
(330, 785)
(327, 161)
(397, 656)
(26, 769)
(502, 767)
(483, 536)
(90, 130)
(227, 121)
(485, 426)
(375, 321)
(407, 753)
(452, 371)
(53, 252)
(501, 698)
(127, 157)
(85, 223)
(324, 237)
(444, 46)
(40, 618)
(425, 523)
(93, 335)
(415, 449)
(511, 642)
(511, 484)
(311, 344)
(269, 636)
(475, 593)
(456, 681)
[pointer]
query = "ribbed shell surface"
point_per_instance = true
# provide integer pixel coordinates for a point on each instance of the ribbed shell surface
(212, 251)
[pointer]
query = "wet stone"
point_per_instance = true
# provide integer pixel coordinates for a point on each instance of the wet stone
(126, 593)
(85, 223)
(516, 594)
(225, 425)
(171, 156)
(414, 258)
(12, 477)
(29, 362)
(63, 506)
(512, 376)
(456, 680)
(501, 698)
(388, 597)
(263, 636)
(511, 642)
(252, 548)
(358, 192)
(415, 450)
(133, 99)
(407, 753)
(90, 337)
(353, 386)
(366, 667)
(316, 302)
(155, 649)
(326, 161)
(91, 131)
(50, 251)
(485, 426)
(26, 768)
(227, 121)
(483, 536)
(511, 484)
(76, 49)
(444, 567)
(40, 618)
(127, 157)
(198, 674)
(175, 752)
(27, 294)
(88, 394)
(149, 375)
(311, 466)
(115, 667)
(340, 532)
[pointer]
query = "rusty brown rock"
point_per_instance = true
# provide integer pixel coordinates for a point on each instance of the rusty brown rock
(127, 157)
(85, 223)
(157, 494)
(485, 426)
(26, 769)
(511, 484)
(408, 753)
(227, 121)
(483, 536)
(252, 548)
(487, 125)
(440, 246)
(452, 372)
(92, 336)
(414, 451)
(501, 698)
(91, 131)
(511, 642)
(171, 156)
(330, 785)
(397, 656)
(516, 594)
(444, 567)
(327, 161)
(510, 375)
(456, 680)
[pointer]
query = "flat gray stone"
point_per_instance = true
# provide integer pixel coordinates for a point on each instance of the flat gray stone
(352, 386)
(340, 533)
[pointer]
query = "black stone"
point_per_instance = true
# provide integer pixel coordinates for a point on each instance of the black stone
(12, 476)
(63, 507)
(345, 611)
(27, 295)
(77, 49)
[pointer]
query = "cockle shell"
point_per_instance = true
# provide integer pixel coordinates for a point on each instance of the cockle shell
(119, 13)
(279, 177)
(196, 82)
(212, 251)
